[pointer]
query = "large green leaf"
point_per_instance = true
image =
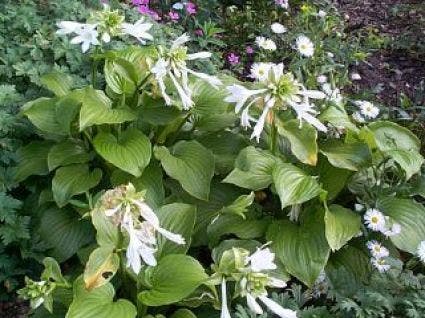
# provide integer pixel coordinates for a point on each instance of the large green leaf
(52, 116)
(332, 179)
(191, 164)
(302, 249)
(390, 136)
(174, 278)
(183, 313)
(225, 146)
(303, 140)
(178, 218)
(32, 160)
(338, 117)
(64, 232)
(107, 232)
(58, 83)
(121, 76)
(66, 153)
(341, 225)
(293, 185)
(348, 270)
(409, 160)
(72, 180)
(233, 224)
(253, 169)
(98, 303)
(350, 156)
(155, 112)
(411, 217)
(96, 109)
(130, 152)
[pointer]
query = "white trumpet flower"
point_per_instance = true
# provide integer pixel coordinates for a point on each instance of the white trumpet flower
(139, 30)
(275, 89)
(86, 36)
(224, 308)
(126, 207)
(172, 63)
(261, 260)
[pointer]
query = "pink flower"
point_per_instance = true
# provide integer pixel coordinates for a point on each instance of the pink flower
(282, 3)
(233, 58)
(144, 9)
(199, 32)
(174, 16)
(249, 50)
(140, 2)
(191, 8)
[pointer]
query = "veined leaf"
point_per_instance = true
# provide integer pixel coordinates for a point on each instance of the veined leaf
(191, 164)
(303, 140)
(62, 230)
(66, 153)
(302, 249)
(97, 109)
(390, 136)
(58, 83)
(72, 180)
(410, 161)
(174, 278)
(177, 218)
(131, 152)
(253, 169)
(411, 217)
(293, 185)
(32, 160)
(98, 303)
(350, 156)
(341, 225)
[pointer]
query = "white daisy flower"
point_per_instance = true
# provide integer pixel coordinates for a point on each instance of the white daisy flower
(278, 28)
(367, 109)
(421, 251)
(265, 44)
(260, 71)
(304, 46)
(380, 264)
(280, 90)
(375, 220)
(377, 250)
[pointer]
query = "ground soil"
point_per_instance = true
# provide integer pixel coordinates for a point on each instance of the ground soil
(398, 67)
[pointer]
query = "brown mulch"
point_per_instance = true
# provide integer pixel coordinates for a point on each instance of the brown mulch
(400, 66)
(14, 309)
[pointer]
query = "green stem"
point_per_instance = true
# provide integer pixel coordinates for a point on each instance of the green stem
(94, 68)
(273, 136)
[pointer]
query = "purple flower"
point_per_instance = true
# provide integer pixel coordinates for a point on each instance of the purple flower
(191, 8)
(249, 50)
(174, 16)
(144, 9)
(199, 32)
(282, 3)
(233, 58)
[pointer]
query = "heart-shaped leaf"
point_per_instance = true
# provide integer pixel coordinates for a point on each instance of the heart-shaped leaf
(96, 109)
(66, 153)
(302, 249)
(293, 185)
(411, 217)
(341, 225)
(131, 152)
(72, 180)
(174, 278)
(303, 140)
(98, 303)
(189, 163)
(350, 156)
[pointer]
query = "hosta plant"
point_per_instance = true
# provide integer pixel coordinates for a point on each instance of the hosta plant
(162, 202)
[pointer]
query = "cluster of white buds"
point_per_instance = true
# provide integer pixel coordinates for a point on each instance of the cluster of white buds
(254, 275)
